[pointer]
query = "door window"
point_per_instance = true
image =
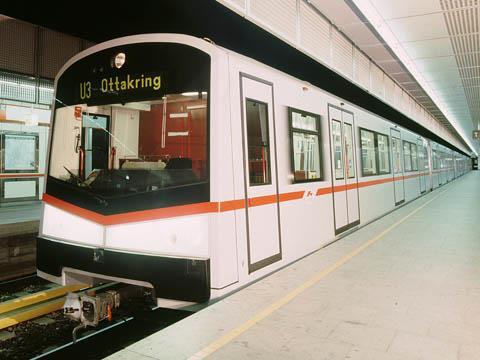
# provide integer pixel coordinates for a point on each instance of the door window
(413, 152)
(397, 155)
(258, 143)
(349, 151)
(337, 149)
(406, 155)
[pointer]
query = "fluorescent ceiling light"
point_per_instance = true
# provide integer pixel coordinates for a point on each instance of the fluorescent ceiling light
(193, 93)
(194, 107)
(377, 21)
(11, 83)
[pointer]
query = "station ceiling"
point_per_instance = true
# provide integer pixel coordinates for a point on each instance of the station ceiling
(440, 37)
(430, 47)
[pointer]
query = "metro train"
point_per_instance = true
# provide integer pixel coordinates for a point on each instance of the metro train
(182, 166)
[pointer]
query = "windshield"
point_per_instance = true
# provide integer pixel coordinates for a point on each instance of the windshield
(136, 147)
(132, 120)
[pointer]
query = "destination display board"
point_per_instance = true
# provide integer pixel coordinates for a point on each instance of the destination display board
(147, 71)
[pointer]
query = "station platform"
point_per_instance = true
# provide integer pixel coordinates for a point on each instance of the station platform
(406, 286)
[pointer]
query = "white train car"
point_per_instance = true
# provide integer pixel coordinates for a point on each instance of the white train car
(180, 165)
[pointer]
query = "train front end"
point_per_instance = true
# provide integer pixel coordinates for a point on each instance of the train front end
(127, 196)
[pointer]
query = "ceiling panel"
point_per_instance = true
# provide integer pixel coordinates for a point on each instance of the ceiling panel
(402, 78)
(428, 48)
(359, 34)
(418, 29)
(379, 54)
(336, 11)
(435, 65)
(422, 27)
(391, 67)
(395, 9)
(451, 77)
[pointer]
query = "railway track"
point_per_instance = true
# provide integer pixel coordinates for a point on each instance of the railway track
(16, 288)
(34, 326)
(15, 311)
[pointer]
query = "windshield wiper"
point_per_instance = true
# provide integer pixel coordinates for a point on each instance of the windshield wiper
(85, 185)
(77, 178)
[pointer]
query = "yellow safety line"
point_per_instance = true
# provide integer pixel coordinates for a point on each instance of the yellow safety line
(32, 313)
(14, 304)
(232, 334)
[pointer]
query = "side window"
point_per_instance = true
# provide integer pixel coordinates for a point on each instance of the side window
(413, 150)
(397, 155)
(258, 145)
(375, 153)
(305, 145)
(349, 151)
(421, 157)
(369, 165)
(383, 154)
(406, 156)
(337, 147)
(425, 157)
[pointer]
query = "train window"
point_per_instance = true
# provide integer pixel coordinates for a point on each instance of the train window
(406, 156)
(369, 165)
(422, 158)
(413, 152)
(397, 155)
(383, 154)
(434, 159)
(139, 147)
(305, 134)
(134, 138)
(258, 144)
(349, 151)
(337, 147)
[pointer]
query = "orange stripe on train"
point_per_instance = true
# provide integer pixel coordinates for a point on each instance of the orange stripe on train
(204, 207)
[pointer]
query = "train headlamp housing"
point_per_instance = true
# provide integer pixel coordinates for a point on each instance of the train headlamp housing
(119, 60)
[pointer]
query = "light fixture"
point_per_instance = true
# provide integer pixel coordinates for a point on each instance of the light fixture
(376, 19)
(190, 93)
(119, 60)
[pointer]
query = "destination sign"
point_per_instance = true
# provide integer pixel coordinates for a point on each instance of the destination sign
(119, 85)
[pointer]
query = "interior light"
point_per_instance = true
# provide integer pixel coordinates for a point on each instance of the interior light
(190, 93)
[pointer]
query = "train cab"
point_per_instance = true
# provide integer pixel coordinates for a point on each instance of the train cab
(129, 153)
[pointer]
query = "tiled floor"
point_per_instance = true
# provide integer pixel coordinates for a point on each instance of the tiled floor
(413, 294)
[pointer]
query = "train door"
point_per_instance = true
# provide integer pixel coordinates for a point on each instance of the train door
(260, 166)
(398, 184)
(455, 166)
(95, 142)
(344, 169)
(421, 166)
(440, 168)
(431, 173)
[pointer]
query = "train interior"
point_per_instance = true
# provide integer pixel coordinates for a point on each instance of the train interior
(132, 147)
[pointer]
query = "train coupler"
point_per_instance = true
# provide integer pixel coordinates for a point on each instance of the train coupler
(90, 310)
